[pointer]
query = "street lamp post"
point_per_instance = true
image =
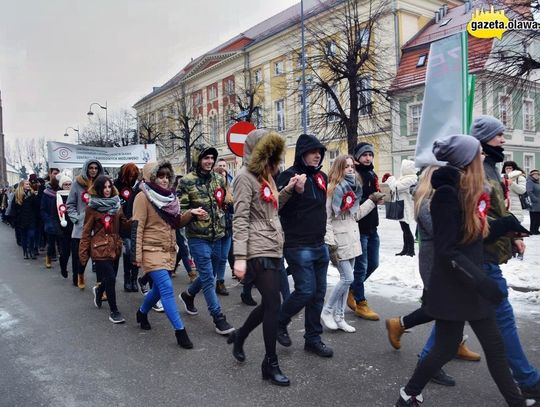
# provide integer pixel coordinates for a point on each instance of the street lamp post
(74, 129)
(90, 113)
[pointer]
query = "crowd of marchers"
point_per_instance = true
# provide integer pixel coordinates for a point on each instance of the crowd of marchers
(269, 225)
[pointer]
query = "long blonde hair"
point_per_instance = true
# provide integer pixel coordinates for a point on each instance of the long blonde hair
(424, 189)
(471, 186)
(19, 193)
(336, 174)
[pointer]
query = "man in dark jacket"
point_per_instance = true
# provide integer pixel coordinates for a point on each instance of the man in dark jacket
(490, 132)
(303, 219)
(533, 190)
(368, 261)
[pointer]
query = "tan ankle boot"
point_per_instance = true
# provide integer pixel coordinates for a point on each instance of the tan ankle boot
(363, 311)
(80, 281)
(48, 263)
(351, 302)
(465, 353)
(395, 330)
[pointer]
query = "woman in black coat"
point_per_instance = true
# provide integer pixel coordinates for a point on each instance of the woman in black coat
(25, 209)
(459, 289)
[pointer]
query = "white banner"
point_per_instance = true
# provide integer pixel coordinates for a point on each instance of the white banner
(63, 155)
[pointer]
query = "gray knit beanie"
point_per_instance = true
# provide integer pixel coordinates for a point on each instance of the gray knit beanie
(484, 128)
(363, 148)
(458, 149)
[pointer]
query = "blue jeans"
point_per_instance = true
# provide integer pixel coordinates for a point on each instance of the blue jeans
(219, 271)
(523, 372)
(163, 289)
(28, 236)
(366, 263)
(308, 266)
(338, 296)
(206, 255)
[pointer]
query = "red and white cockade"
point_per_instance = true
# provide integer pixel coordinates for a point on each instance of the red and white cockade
(267, 195)
(219, 195)
(319, 181)
(348, 200)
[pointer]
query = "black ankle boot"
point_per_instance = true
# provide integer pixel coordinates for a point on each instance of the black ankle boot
(26, 257)
(404, 251)
(143, 320)
(238, 346)
(271, 371)
(183, 339)
(248, 299)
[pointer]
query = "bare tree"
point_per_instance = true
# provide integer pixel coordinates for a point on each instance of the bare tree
(29, 153)
(249, 101)
(346, 87)
(123, 128)
(185, 125)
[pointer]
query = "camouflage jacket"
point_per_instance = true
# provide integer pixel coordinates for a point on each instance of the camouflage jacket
(198, 190)
(500, 251)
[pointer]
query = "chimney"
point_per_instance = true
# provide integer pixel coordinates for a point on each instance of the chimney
(445, 8)
(441, 12)
(437, 17)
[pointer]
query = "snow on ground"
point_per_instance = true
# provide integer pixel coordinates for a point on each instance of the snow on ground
(398, 277)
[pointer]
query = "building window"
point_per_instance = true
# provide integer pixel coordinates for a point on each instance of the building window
(229, 87)
(257, 117)
(528, 163)
(332, 155)
(229, 118)
(414, 114)
(528, 115)
(363, 37)
(278, 68)
(212, 92)
(365, 103)
(505, 110)
(332, 112)
(508, 156)
(258, 76)
(214, 129)
(197, 99)
(331, 48)
(421, 61)
(301, 104)
(280, 115)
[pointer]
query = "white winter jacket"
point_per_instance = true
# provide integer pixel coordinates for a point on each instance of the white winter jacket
(404, 185)
(518, 187)
(342, 230)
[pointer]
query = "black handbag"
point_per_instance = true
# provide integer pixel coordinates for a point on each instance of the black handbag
(525, 201)
(396, 208)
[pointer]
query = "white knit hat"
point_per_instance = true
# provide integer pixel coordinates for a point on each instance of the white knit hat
(62, 179)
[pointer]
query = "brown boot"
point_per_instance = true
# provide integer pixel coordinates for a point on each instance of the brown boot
(363, 311)
(80, 281)
(465, 353)
(48, 263)
(351, 302)
(395, 330)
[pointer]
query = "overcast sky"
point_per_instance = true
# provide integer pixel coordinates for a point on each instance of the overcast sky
(58, 56)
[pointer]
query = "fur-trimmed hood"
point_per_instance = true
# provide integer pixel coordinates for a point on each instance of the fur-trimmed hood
(151, 169)
(262, 148)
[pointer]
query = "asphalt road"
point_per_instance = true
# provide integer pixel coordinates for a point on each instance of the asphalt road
(57, 349)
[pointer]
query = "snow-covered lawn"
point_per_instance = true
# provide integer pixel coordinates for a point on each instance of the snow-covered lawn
(398, 278)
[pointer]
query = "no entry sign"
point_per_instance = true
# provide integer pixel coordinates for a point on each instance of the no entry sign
(236, 137)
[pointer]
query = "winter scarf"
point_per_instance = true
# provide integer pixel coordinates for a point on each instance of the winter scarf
(496, 153)
(49, 191)
(105, 205)
(349, 185)
(163, 200)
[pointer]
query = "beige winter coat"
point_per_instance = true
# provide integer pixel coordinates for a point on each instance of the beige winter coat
(256, 227)
(518, 187)
(404, 184)
(342, 230)
(154, 239)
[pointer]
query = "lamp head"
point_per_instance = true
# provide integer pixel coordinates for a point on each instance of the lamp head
(90, 113)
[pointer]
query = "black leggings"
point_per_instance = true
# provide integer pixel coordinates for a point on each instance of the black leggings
(105, 271)
(53, 242)
(535, 222)
(448, 336)
(65, 251)
(267, 282)
(417, 317)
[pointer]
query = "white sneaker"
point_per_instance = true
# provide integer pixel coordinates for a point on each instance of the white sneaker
(158, 307)
(344, 326)
(328, 320)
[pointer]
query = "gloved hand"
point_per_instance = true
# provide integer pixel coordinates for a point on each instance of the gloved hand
(489, 289)
(376, 197)
(386, 176)
(506, 226)
(333, 255)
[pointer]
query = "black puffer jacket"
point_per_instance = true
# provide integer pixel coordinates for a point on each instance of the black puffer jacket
(303, 217)
(27, 214)
(370, 184)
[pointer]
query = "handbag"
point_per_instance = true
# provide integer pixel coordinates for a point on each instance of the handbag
(396, 208)
(525, 201)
